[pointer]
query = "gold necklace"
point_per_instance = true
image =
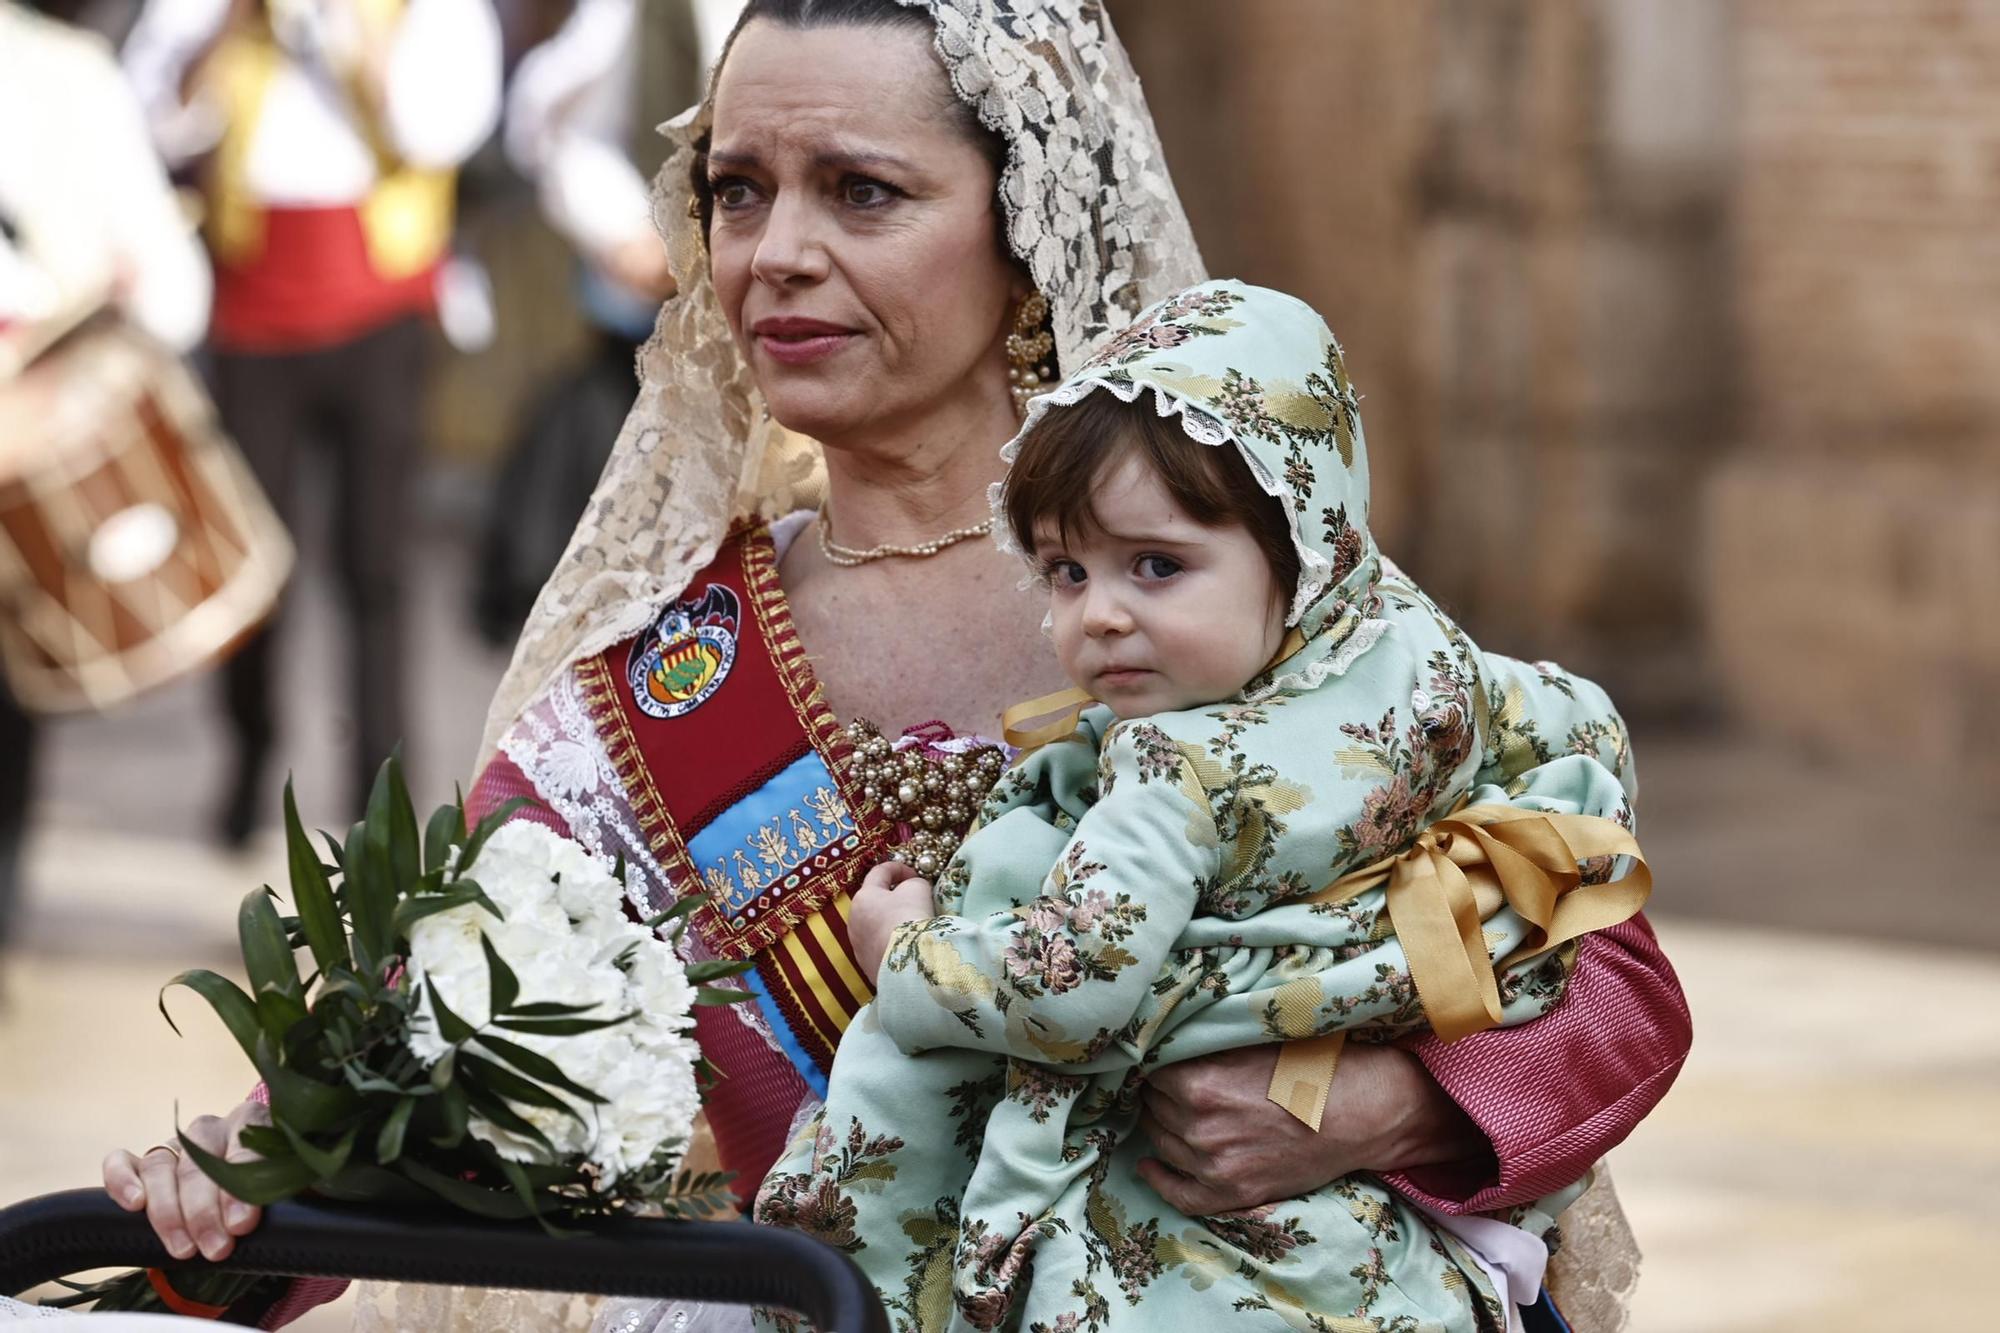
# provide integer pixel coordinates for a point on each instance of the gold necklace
(849, 556)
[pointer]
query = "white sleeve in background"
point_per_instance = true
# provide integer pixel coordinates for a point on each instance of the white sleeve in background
(443, 89)
(166, 286)
(568, 120)
(166, 39)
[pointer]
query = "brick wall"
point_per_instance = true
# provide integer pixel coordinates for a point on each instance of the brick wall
(1853, 544)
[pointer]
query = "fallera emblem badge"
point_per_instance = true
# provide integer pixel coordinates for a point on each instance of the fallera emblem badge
(679, 664)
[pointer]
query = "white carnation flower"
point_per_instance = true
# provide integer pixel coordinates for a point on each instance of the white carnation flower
(563, 932)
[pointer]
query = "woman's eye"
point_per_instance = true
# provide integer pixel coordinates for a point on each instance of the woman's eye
(730, 191)
(864, 193)
(1158, 567)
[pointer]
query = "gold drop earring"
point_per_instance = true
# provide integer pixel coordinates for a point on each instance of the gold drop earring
(1028, 349)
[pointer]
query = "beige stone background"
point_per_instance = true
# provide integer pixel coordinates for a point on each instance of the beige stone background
(1676, 325)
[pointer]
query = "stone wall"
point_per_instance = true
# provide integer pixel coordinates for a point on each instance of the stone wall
(1676, 321)
(1512, 211)
(1853, 550)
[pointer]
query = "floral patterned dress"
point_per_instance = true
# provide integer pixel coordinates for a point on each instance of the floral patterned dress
(1158, 889)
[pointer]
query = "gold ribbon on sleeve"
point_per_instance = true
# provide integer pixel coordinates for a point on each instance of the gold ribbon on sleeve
(1460, 871)
(1062, 708)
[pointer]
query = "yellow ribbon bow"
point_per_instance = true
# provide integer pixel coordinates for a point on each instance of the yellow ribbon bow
(1458, 872)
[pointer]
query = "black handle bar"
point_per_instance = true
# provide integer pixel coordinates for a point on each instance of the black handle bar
(731, 1263)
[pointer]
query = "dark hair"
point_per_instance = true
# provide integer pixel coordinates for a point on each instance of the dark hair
(844, 13)
(1054, 477)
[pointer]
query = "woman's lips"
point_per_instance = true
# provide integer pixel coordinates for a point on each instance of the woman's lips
(799, 342)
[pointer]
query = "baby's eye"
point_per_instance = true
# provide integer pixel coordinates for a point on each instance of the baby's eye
(1063, 574)
(1158, 567)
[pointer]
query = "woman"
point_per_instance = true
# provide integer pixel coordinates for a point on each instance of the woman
(680, 692)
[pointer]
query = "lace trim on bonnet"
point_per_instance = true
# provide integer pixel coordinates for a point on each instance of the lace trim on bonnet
(1203, 427)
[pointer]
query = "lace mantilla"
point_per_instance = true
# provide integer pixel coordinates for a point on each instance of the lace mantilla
(1090, 210)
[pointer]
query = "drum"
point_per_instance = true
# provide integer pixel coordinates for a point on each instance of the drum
(135, 546)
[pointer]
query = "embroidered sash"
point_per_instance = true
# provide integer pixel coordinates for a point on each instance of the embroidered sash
(738, 774)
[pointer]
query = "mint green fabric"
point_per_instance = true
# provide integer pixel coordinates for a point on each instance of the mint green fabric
(1131, 897)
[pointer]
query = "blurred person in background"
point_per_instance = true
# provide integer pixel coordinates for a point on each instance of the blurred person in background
(87, 219)
(582, 123)
(326, 135)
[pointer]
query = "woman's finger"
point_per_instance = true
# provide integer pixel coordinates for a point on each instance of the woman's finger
(121, 1180)
(159, 1176)
(1188, 1195)
(1168, 1110)
(1174, 1150)
(201, 1198)
(886, 876)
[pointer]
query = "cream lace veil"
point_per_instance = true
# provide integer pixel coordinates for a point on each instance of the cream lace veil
(1090, 211)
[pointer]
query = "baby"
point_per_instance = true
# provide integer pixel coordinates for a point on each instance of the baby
(1304, 804)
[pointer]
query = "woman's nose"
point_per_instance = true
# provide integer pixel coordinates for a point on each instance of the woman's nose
(791, 250)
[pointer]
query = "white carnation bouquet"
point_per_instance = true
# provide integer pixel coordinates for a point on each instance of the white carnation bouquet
(480, 1023)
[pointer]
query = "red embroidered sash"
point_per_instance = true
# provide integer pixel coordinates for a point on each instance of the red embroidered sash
(738, 773)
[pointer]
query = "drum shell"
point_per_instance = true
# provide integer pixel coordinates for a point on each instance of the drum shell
(135, 545)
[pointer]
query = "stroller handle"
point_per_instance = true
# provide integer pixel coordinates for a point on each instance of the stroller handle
(731, 1263)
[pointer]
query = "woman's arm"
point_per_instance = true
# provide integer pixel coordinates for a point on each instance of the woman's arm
(1483, 1123)
(1554, 1095)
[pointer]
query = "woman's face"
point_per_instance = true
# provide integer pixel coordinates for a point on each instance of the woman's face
(853, 242)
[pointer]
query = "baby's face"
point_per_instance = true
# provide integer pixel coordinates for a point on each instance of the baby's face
(1156, 612)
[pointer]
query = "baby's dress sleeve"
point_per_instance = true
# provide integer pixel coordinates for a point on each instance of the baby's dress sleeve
(1052, 962)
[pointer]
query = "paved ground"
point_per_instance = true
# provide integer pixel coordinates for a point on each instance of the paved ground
(1827, 1162)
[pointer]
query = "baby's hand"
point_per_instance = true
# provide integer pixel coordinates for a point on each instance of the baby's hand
(890, 895)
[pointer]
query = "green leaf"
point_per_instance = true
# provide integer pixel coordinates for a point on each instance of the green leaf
(537, 1066)
(560, 1027)
(444, 1070)
(681, 908)
(312, 894)
(265, 1140)
(450, 1026)
(495, 1109)
(525, 1191)
(453, 1110)
(231, 1005)
(389, 1142)
(464, 1194)
(717, 995)
(338, 852)
(412, 910)
(718, 968)
(365, 905)
(278, 1013)
(307, 1104)
(445, 827)
(549, 1009)
(359, 1182)
(482, 1076)
(266, 956)
(261, 1182)
(502, 986)
(405, 851)
(324, 1161)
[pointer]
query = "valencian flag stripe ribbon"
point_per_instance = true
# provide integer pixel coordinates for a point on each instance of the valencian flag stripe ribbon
(1461, 870)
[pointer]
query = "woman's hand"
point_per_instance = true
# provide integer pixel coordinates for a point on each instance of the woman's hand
(1224, 1145)
(890, 895)
(189, 1211)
